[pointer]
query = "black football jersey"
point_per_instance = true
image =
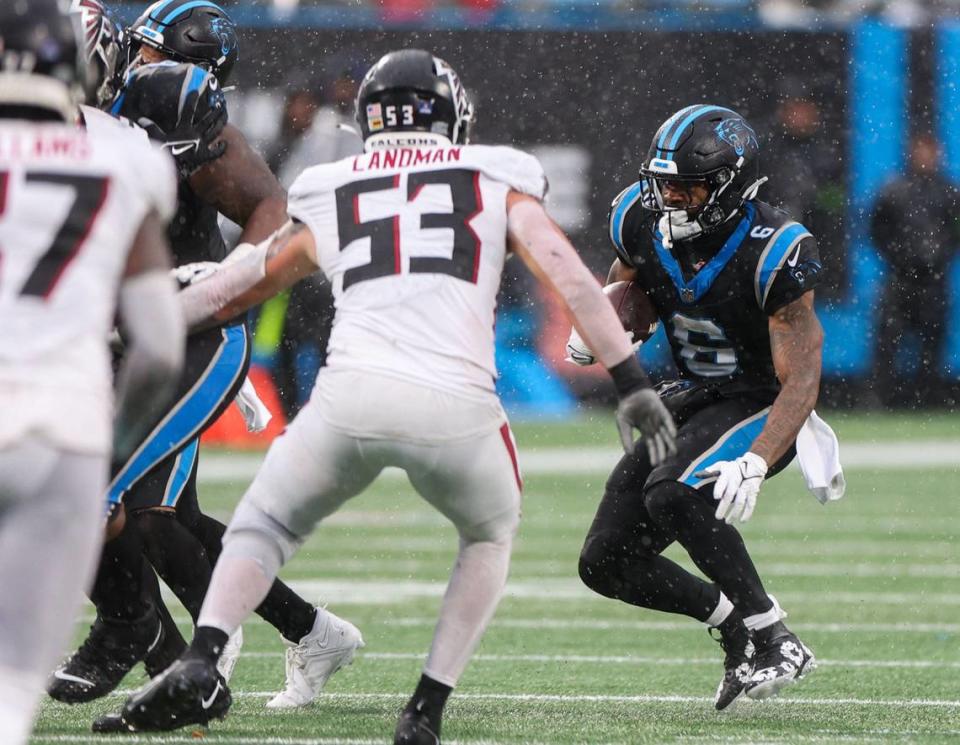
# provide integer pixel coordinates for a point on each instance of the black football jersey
(194, 232)
(714, 293)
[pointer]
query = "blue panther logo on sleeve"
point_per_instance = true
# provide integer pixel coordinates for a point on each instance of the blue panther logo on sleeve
(738, 134)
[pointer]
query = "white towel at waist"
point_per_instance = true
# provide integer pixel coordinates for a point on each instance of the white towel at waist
(818, 453)
(255, 413)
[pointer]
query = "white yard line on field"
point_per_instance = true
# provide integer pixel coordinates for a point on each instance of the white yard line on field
(880, 455)
(632, 660)
(604, 625)
(564, 590)
(560, 698)
(210, 737)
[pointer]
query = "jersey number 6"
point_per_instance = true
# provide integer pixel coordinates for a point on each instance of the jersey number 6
(384, 233)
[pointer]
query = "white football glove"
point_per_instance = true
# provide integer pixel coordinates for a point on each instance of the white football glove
(580, 354)
(189, 274)
(738, 483)
(577, 350)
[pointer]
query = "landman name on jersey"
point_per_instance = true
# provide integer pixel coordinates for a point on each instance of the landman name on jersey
(405, 157)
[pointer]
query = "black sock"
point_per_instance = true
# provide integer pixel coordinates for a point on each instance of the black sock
(428, 700)
(122, 590)
(179, 558)
(208, 643)
(715, 547)
(282, 608)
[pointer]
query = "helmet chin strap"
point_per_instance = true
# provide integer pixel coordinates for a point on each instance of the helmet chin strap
(676, 225)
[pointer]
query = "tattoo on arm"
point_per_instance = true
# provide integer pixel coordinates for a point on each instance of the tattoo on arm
(796, 341)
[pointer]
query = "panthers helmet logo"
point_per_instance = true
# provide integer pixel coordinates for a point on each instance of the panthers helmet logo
(738, 134)
(224, 32)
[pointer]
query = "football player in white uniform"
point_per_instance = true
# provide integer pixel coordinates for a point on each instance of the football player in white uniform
(413, 235)
(81, 235)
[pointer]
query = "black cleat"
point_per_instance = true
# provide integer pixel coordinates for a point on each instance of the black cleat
(191, 691)
(108, 653)
(110, 724)
(168, 647)
(415, 728)
(780, 659)
(734, 639)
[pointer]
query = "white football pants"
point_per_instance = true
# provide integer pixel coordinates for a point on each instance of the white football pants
(459, 455)
(51, 531)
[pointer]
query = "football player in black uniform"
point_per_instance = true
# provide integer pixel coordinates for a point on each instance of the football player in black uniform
(182, 106)
(731, 279)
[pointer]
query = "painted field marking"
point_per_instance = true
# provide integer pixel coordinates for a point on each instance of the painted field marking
(631, 660)
(560, 698)
(601, 625)
(234, 467)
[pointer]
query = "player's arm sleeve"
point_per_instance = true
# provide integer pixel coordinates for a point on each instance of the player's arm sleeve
(554, 261)
(520, 171)
(160, 180)
(788, 267)
(625, 214)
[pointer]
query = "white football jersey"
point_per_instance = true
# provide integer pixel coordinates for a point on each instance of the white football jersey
(71, 204)
(413, 241)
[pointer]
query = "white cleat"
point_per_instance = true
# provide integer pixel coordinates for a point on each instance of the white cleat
(330, 645)
(231, 653)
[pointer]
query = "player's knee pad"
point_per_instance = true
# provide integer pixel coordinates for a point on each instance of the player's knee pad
(249, 526)
(672, 504)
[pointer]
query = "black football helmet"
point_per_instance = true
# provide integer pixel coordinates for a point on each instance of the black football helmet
(197, 31)
(181, 107)
(103, 47)
(413, 91)
(710, 144)
(43, 73)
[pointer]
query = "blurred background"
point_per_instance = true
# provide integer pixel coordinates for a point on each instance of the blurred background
(856, 103)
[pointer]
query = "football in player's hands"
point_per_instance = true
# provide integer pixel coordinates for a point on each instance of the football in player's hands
(634, 309)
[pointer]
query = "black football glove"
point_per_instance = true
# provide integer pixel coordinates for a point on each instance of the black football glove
(181, 107)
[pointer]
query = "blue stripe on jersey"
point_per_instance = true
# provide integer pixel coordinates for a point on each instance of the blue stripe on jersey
(773, 257)
(629, 198)
(699, 285)
(735, 442)
(186, 459)
(185, 420)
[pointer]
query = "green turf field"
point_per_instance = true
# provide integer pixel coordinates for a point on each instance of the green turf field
(871, 583)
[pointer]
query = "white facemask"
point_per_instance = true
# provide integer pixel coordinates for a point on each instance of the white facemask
(676, 225)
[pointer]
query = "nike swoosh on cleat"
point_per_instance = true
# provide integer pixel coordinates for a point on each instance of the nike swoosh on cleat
(157, 639)
(206, 703)
(60, 675)
(180, 149)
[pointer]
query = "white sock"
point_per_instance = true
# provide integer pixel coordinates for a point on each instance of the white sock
(472, 596)
(724, 608)
(762, 620)
(241, 580)
(18, 705)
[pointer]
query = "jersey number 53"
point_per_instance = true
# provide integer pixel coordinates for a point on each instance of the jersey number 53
(385, 236)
